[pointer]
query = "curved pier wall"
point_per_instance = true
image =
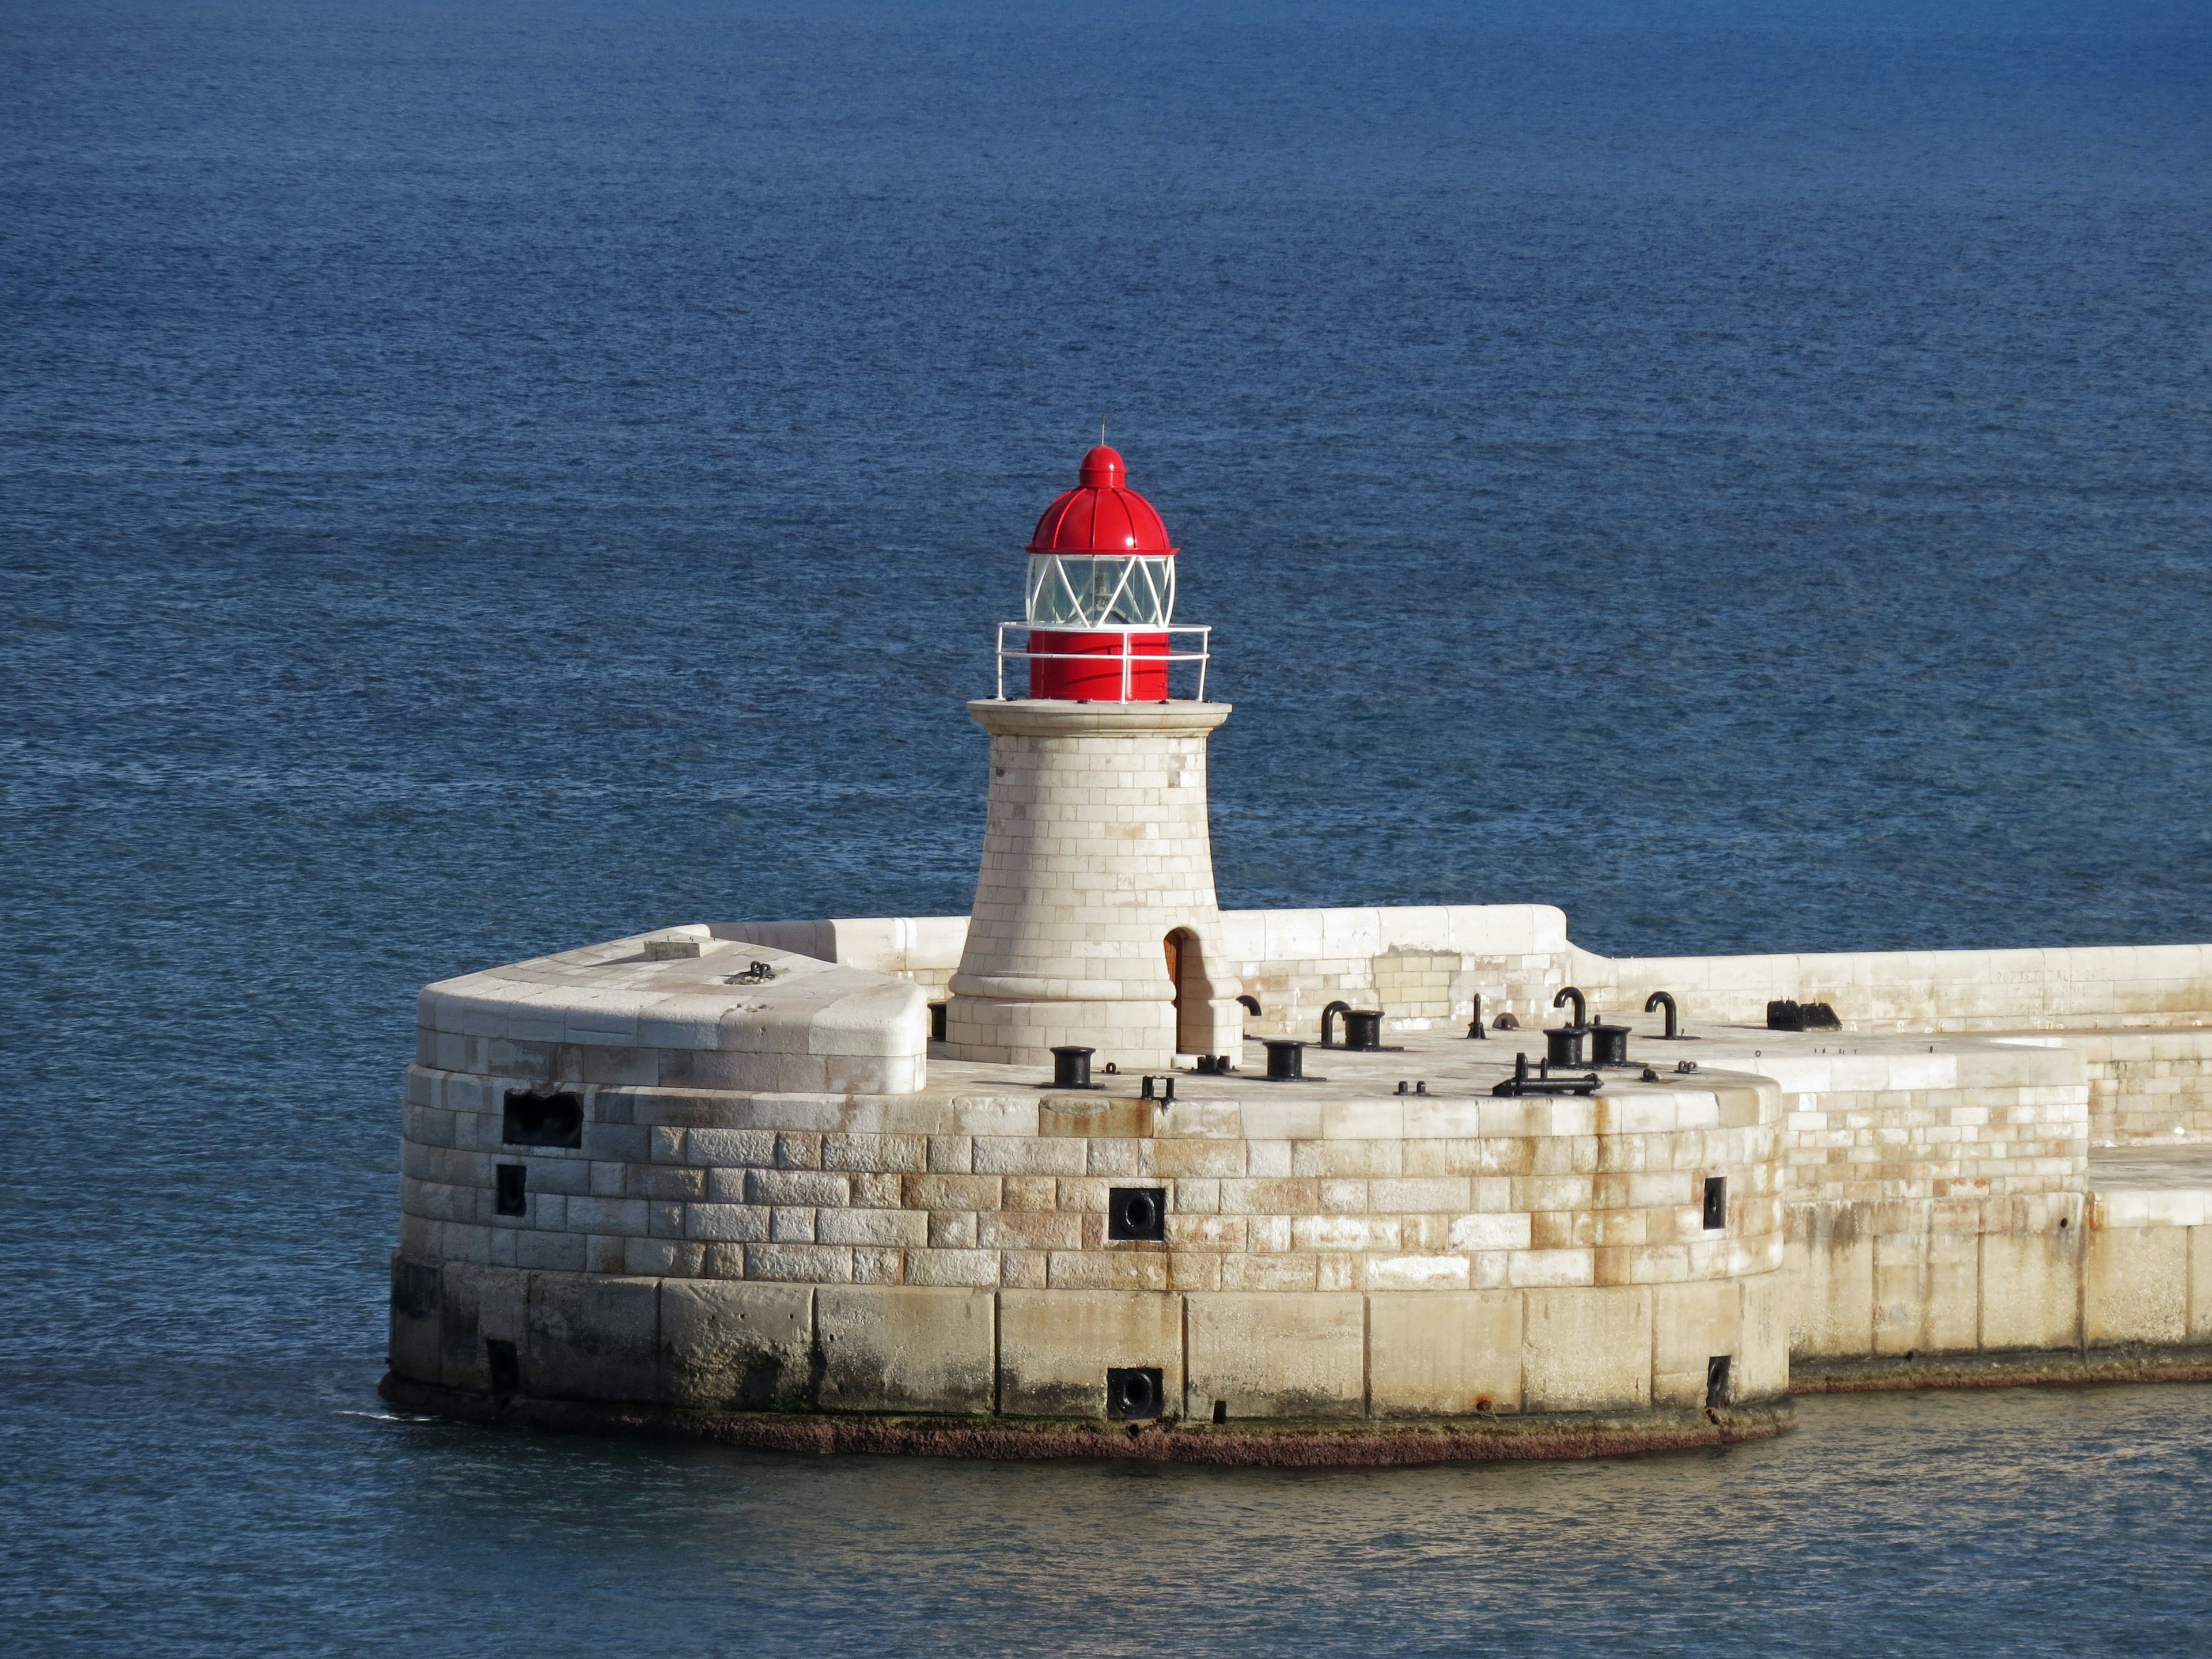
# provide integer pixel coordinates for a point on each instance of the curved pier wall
(1343, 1258)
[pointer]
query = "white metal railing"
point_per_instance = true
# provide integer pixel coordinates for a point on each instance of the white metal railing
(1129, 657)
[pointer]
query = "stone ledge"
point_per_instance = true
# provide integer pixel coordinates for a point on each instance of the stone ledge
(2018, 1369)
(1272, 1444)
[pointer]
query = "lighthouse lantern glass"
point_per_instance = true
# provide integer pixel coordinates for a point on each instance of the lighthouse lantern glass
(1073, 590)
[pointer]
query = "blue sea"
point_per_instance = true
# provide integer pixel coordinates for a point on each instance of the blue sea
(478, 477)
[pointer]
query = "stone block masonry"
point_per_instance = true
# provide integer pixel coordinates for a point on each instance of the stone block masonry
(777, 1198)
(1096, 854)
(1431, 1193)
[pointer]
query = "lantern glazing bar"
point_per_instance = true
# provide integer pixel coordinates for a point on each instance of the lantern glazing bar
(1083, 592)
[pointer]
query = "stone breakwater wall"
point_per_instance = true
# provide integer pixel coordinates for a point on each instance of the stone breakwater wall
(2141, 1016)
(951, 1252)
(984, 1190)
(2088, 988)
(708, 1172)
(2148, 1087)
(1935, 1200)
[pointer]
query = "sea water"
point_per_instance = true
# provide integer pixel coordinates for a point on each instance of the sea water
(481, 478)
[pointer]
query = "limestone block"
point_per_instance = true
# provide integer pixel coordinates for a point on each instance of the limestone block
(1831, 1308)
(1900, 1291)
(1408, 1273)
(475, 1305)
(803, 1264)
(1587, 1349)
(889, 1228)
(952, 1266)
(904, 1348)
(1282, 1272)
(2200, 1285)
(590, 1336)
(1955, 1293)
(415, 1319)
(1276, 1354)
(1056, 1347)
(735, 1347)
(1762, 1362)
(2135, 1285)
(2031, 1289)
(1443, 1353)
(1691, 1324)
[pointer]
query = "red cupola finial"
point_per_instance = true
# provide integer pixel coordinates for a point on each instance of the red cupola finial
(1102, 468)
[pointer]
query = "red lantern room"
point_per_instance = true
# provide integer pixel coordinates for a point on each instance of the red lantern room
(1100, 562)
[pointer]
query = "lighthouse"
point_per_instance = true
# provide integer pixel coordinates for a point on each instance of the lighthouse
(1095, 924)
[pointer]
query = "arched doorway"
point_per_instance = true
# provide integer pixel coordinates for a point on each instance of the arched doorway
(1187, 973)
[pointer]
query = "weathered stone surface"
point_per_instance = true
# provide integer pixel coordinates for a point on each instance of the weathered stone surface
(898, 1348)
(415, 1313)
(1056, 1347)
(726, 1346)
(2136, 1285)
(591, 1337)
(1587, 1350)
(2031, 1289)
(1691, 1325)
(1448, 1355)
(1762, 1367)
(1276, 1354)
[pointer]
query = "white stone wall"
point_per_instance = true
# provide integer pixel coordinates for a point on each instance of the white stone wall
(1325, 1258)
(1936, 1201)
(2147, 1086)
(1332, 1356)
(1293, 962)
(1518, 955)
(2099, 988)
(618, 1012)
(1422, 966)
(1377, 1194)
(768, 1165)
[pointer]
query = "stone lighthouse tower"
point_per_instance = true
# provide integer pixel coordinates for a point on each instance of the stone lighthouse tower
(1095, 920)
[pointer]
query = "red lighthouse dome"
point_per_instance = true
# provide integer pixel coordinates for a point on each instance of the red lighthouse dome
(1102, 514)
(1101, 567)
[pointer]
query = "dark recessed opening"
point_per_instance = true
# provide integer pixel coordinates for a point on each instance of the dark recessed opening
(1716, 1380)
(532, 1118)
(511, 1188)
(506, 1368)
(1716, 1202)
(1139, 1212)
(1221, 1411)
(936, 1022)
(1135, 1395)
